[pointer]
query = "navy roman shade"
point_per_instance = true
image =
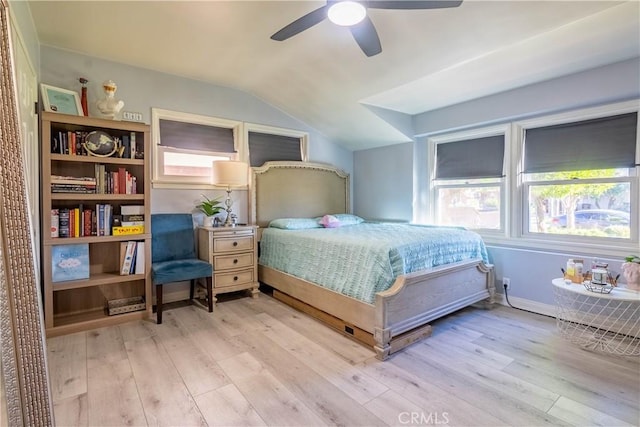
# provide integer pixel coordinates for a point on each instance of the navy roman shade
(265, 147)
(603, 143)
(192, 136)
(470, 158)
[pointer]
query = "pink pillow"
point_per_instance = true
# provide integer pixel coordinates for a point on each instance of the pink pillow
(330, 221)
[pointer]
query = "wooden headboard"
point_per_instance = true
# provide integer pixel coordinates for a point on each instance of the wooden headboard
(297, 190)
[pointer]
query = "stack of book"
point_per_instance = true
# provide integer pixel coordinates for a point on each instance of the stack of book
(131, 220)
(71, 184)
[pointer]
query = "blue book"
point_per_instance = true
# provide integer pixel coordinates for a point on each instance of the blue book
(69, 262)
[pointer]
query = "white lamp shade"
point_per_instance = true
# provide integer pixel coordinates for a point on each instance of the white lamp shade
(229, 173)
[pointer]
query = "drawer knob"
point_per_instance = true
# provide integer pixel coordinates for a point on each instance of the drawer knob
(235, 243)
(235, 278)
(235, 261)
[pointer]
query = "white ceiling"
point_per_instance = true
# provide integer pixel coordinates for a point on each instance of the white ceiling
(430, 59)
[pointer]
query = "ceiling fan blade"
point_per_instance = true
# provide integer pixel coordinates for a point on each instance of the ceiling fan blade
(301, 24)
(367, 37)
(415, 4)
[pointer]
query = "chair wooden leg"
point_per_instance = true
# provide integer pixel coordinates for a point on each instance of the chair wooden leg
(159, 304)
(192, 290)
(210, 293)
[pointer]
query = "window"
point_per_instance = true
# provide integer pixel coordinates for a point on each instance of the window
(468, 182)
(579, 180)
(267, 143)
(185, 145)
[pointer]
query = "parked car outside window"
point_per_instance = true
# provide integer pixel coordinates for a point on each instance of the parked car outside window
(594, 218)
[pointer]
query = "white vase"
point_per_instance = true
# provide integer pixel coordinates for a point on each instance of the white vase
(208, 221)
(631, 273)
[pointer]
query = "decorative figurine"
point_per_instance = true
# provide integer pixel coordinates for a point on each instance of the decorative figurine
(83, 98)
(109, 106)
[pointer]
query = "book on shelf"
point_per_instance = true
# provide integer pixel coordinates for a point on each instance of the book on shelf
(74, 189)
(69, 262)
(59, 179)
(87, 228)
(126, 230)
(63, 225)
(128, 258)
(132, 258)
(140, 261)
(131, 223)
(133, 149)
(126, 153)
(55, 222)
(131, 210)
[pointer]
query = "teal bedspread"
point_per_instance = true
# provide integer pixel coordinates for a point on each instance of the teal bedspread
(361, 260)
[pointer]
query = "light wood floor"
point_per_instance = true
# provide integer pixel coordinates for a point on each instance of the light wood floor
(258, 362)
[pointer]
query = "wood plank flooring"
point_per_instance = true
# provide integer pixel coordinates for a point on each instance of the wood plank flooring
(256, 362)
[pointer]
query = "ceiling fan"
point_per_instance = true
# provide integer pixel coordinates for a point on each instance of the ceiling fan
(353, 14)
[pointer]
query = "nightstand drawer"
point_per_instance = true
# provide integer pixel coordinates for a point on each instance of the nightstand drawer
(233, 244)
(231, 279)
(227, 262)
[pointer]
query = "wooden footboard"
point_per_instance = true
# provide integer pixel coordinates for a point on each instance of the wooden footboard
(401, 314)
(416, 299)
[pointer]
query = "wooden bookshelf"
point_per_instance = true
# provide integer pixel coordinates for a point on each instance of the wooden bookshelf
(77, 305)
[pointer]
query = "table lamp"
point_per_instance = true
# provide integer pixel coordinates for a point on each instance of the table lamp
(230, 174)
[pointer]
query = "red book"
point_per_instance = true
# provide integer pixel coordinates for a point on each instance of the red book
(122, 180)
(87, 222)
(72, 222)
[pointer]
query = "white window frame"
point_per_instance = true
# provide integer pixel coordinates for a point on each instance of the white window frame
(503, 185)
(614, 247)
(272, 130)
(159, 179)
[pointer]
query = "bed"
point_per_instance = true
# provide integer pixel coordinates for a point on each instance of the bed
(388, 319)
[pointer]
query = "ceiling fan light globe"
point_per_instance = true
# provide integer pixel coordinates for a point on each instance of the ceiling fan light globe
(346, 13)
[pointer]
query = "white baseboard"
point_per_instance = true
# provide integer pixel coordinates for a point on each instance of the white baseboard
(527, 304)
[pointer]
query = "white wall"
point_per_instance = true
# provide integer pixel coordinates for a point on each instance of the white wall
(530, 271)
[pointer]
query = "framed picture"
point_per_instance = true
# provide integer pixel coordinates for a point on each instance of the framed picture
(61, 100)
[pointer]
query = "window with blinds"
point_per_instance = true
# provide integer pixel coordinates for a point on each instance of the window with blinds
(468, 182)
(579, 178)
(268, 143)
(185, 146)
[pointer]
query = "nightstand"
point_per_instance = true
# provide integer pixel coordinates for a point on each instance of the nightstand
(233, 252)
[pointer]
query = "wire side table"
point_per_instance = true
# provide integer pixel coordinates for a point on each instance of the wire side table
(604, 322)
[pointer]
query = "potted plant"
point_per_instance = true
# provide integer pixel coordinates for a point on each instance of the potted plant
(631, 272)
(210, 207)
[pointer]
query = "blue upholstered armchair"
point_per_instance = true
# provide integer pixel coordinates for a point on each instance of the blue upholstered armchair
(174, 256)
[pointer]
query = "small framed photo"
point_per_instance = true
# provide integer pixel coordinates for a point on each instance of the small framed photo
(61, 100)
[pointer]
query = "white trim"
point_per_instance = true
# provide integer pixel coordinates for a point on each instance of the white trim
(483, 132)
(580, 115)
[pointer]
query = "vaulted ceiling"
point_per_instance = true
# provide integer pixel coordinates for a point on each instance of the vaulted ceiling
(430, 58)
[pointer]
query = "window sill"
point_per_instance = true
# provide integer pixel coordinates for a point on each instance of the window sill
(613, 248)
